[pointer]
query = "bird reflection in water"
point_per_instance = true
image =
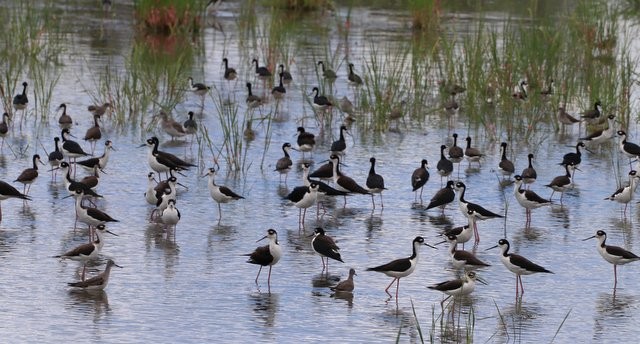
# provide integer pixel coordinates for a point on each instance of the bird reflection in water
(265, 307)
(612, 310)
(93, 302)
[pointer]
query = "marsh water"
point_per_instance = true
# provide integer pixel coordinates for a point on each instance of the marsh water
(197, 287)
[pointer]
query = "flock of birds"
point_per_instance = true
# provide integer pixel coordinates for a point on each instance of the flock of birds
(326, 181)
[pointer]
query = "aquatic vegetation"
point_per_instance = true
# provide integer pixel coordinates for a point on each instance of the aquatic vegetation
(166, 17)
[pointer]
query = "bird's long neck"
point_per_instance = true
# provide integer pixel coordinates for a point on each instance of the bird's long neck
(462, 195)
(504, 153)
(415, 251)
(336, 169)
(35, 164)
(372, 170)
(24, 92)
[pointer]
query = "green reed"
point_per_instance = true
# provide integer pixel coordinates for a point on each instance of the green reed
(31, 50)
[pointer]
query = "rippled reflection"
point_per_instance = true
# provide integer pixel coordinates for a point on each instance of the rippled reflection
(90, 302)
(264, 307)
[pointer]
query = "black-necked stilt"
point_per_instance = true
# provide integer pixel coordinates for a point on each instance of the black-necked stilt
(170, 125)
(91, 216)
(65, 120)
(347, 285)
(21, 100)
(165, 192)
(401, 267)
(517, 264)
(345, 183)
(603, 135)
(87, 252)
(252, 100)
(324, 172)
(320, 102)
(455, 153)
(92, 180)
(340, 145)
(71, 185)
(99, 110)
(325, 246)
(465, 206)
(286, 76)
(444, 166)
(160, 161)
(473, 154)
(561, 183)
(100, 161)
(98, 282)
(7, 191)
(464, 233)
(573, 158)
(267, 255)
(592, 116)
(528, 199)
(625, 194)
(4, 126)
(93, 134)
(549, 90)
(565, 118)
(375, 183)
(529, 174)
(306, 140)
(190, 125)
(520, 90)
(229, 73)
(629, 149)
(505, 166)
(460, 258)
(220, 194)
(327, 73)
(419, 177)
(458, 287)
(71, 149)
(261, 71)
(283, 165)
(55, 157)
(443, 197)
(29, 175)
(171, 215)
(323, 188)
(278, 92)
(198, 88)
(613, 254)
(150, 194)
(354, 79)
(303, 197)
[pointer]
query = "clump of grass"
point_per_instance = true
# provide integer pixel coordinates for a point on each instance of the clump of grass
(168, 17)
(232, 125)
(31, 51)
(425, 15)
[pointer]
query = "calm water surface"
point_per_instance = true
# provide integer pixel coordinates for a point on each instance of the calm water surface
(198, 288)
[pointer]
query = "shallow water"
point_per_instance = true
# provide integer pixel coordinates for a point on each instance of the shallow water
(198, 288)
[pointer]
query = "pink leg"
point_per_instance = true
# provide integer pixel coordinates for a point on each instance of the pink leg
(389, 286)
(269, 278)
(397, 288)
(615, 276)
(258, 274)
(521, 287)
